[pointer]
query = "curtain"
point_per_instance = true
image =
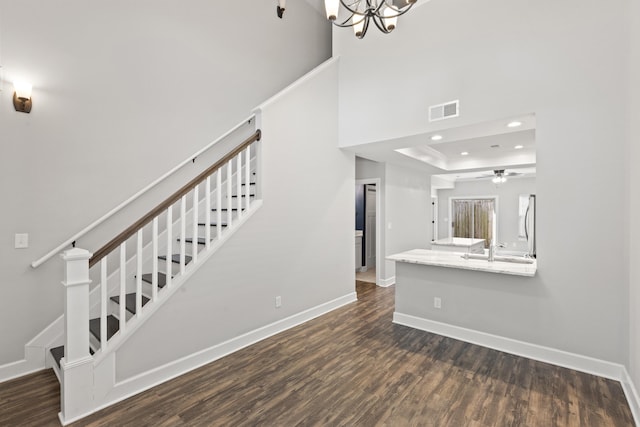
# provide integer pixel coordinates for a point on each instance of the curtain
(473, 218)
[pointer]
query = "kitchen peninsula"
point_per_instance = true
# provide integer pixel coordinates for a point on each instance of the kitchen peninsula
(461, 295)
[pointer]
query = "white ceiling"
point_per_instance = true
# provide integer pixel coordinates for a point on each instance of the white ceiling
(488, 145)
(491, 145)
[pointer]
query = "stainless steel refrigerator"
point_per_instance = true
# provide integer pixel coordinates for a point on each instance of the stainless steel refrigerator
(530, 226)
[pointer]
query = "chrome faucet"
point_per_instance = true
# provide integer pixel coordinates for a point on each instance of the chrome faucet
(492, 250)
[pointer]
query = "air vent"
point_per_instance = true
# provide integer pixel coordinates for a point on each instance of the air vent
(444, 111)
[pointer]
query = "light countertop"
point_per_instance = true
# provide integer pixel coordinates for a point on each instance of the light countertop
(457, 241)
(455, 260)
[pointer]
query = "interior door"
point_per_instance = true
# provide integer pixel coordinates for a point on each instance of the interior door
(370, 228)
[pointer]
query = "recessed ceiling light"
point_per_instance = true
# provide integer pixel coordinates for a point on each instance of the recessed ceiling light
(464, 153)
(436, 137)
(518, 147)
(514, 124)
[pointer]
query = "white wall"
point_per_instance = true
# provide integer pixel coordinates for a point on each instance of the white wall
(508, 196)
(502, 58)
(408, 212)
(123, 91)
(406, 209)
(299, 245)
(634, 193)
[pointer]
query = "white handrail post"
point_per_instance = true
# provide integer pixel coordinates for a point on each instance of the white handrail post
(77, 363)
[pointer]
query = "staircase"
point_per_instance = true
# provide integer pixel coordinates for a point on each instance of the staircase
(169, 244)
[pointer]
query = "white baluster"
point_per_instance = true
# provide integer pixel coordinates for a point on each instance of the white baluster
(194, 243)
(219, 203)
(169, 245)
(154, 261)
(229, 193)
(103, 303)
(139, 273)
(123, 285)
(183, 232)
(239, 183)
(207, 215)
(247, 175)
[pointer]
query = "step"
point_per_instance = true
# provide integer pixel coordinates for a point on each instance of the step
(113, 325)
(226, 210)
(58, 354)
(175, 258)
(130, 301)
(244, 195)
(213, 224)
(162, 279)
(251, 183)
(201, 240)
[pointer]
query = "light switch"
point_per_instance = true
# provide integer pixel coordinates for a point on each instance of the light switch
(22, 241)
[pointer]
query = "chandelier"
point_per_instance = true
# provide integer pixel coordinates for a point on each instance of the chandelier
(360, 13)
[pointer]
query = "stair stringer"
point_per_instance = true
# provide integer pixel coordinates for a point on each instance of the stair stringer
(104, 361)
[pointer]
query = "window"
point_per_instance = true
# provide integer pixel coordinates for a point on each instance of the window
(474, 218)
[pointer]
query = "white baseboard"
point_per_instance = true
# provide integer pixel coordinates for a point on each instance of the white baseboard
(553, 356)
(154, 377)
(385, 283)
(34, 361)
(633, 397)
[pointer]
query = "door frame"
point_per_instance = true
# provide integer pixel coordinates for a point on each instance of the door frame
(379, 255)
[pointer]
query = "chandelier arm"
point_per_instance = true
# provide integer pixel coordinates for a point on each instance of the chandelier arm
(347, 22)
(364, 28)
(399, 12)
(353, 11)
(380, 24)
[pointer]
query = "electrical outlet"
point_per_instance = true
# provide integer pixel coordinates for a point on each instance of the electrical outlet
(278, 301)
(437, 302)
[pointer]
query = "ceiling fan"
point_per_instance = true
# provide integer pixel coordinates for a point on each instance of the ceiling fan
(499, 176)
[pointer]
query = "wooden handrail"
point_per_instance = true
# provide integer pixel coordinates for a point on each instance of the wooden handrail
(131, 230)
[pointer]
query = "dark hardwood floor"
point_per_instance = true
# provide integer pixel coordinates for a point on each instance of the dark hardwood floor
(352, 367)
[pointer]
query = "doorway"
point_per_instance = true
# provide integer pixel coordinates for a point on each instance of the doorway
(368, 224)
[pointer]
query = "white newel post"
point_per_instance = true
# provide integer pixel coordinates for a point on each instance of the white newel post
(77, 364)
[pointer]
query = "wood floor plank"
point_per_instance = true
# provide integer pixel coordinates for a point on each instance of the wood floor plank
(352, 367)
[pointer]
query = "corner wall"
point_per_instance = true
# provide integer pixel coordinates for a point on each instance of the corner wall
(503, 58)
(123, 91)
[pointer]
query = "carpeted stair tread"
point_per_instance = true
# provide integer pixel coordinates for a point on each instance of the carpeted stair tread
(162, 279)
(201, 240)
(130, 300)
(175, 258)
(113, 325)
(213, 224)
(58, 353)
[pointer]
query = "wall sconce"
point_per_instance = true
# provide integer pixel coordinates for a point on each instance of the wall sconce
(22, 97)
(280, 8)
